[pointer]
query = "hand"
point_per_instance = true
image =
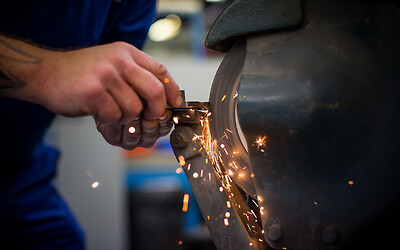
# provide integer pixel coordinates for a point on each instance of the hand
(137, 133)
(116, 83)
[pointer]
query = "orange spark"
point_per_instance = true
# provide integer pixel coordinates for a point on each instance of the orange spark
(95, 184)
(350, 182)
(236, 95)
(223, 98)
(261, 141)
(166, 80)
(131, 130)
(175, 119)
(185, 202)
(180, 243)
(228, 204)
(181, 160)
(227, 214)
(226, 221)
(178, 170)
(315, 203)
(195, 175)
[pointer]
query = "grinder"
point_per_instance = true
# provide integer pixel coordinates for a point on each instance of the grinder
(298, 146)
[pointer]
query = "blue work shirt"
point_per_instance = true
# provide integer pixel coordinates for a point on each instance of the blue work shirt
(32, 214)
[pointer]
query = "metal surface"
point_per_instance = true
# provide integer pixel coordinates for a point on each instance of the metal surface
(231, 225)
(232, 222)
(244, 17)
(223, 102)
(319, 108)
(326, 99)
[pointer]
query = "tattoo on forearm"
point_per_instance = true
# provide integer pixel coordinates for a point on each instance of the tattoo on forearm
(7, 83)
(7, 80)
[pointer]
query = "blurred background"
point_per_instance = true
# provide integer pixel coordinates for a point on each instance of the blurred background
(135, 200)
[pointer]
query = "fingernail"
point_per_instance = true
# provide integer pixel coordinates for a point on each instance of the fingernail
(179, 101)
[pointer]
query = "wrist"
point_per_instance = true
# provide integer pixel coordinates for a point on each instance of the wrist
(23, 65)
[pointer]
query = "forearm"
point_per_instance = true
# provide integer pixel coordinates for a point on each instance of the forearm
(19, 64)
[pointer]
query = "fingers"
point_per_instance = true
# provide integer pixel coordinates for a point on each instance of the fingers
(158, 70)
(112, 133)
(107, 110)
(128, 101)
(149, 88)
(131, 135)
(144, 133)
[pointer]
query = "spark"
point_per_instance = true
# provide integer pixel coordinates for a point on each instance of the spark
(226, 222)
(228, 204)
(195, 175)
(350, 182)
(315, 203)
(185, 202)
(250, 244)
(221, 189)
(189, 166)
(227, 214)
(178, 170)
(181, 160)
(180, 243)
(252, 175)
(166, 80)
(201, 173)
(222, 146)
(95, 184)
(234, 164)
(131, 130)
(230, 172)
(236, 95)
(253, 213)
(223, 98)
(175, 119)
(260, 142)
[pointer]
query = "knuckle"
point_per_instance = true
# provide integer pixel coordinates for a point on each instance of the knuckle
(120, 44)
(161, 69)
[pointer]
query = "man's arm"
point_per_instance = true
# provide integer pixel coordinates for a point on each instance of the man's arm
(116, 83)
(11, 55)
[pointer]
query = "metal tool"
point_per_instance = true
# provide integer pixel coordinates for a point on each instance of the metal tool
(315, 93)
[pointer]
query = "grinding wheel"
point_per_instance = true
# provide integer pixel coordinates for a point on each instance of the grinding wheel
(224, 125)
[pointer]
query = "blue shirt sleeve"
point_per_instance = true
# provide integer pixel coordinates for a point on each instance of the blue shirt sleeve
(130, 21)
